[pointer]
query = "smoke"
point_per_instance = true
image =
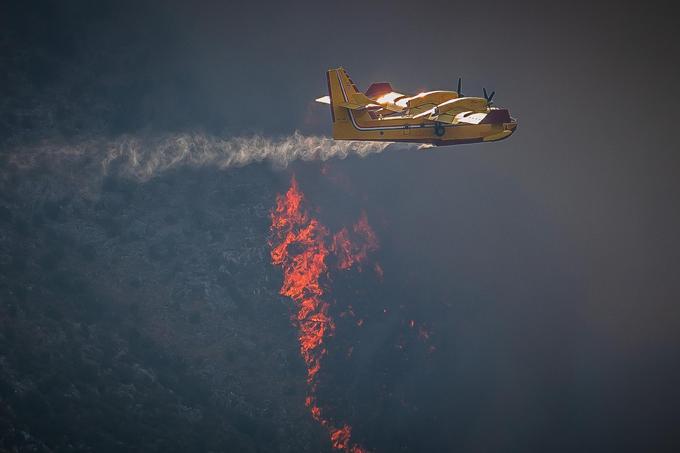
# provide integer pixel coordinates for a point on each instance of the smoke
(143, 157)
(143, 160)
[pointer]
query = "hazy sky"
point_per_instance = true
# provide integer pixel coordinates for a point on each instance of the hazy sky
(573, 221)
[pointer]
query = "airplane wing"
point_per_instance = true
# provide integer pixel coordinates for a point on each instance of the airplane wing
(392, 108)
(447, 118)
(468, 117)
(358, 101)
(422, 108)
(455, 111)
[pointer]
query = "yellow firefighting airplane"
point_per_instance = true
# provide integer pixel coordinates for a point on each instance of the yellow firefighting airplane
(435, 117)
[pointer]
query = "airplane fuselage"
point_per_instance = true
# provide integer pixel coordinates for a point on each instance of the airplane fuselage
(362, 126)
(398, 118)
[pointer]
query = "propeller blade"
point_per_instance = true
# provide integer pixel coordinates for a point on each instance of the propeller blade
(491, 96)
(460, 87)
(488, 96)
(485, 95)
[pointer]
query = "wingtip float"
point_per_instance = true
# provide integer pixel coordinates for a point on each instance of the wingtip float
(433, 117)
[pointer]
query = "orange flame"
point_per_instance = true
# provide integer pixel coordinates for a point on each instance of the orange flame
(298, 245)
(340, 437)
(354, 253)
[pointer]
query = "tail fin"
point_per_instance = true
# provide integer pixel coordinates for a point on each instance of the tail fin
(347, 104)
(336, 95)
(344, 94)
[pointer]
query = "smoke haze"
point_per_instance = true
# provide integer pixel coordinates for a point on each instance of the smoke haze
(527, 292)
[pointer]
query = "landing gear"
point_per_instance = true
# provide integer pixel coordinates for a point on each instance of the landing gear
(439, 130)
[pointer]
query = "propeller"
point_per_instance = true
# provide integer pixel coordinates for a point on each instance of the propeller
(488, 97)
(460, 87)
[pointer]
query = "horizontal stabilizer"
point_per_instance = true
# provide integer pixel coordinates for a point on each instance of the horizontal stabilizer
(358, 101)
(324, 100)
(355, 106)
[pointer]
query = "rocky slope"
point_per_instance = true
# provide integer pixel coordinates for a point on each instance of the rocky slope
(145, 316)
